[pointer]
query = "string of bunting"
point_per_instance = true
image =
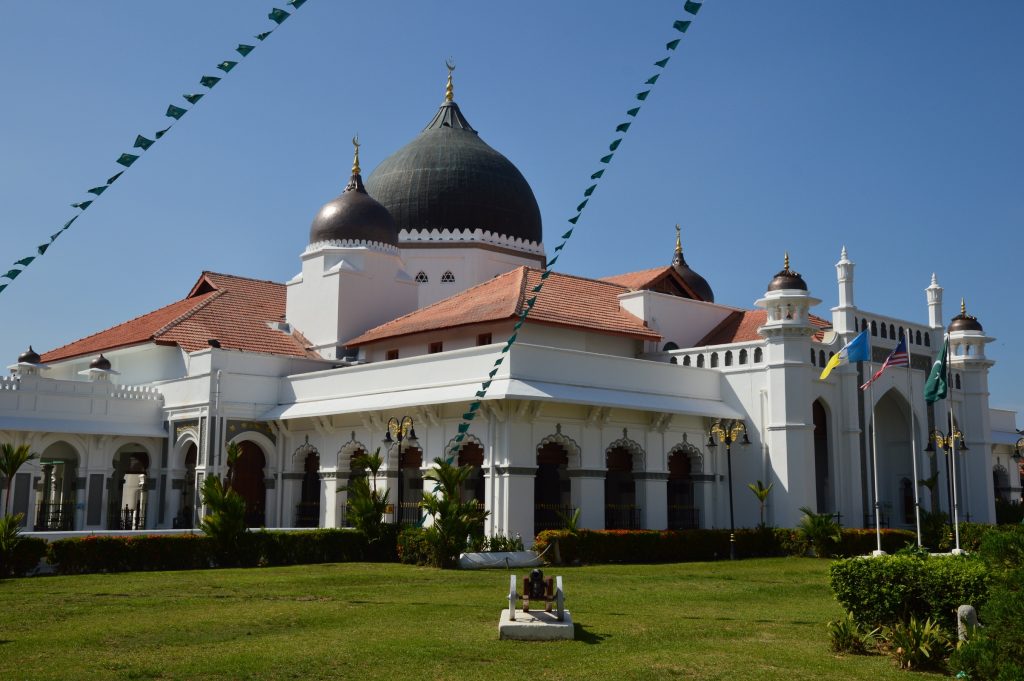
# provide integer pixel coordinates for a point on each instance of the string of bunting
(143, 143)
(691, 7)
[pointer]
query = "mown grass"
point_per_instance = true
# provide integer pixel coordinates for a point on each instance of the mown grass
(754, 619)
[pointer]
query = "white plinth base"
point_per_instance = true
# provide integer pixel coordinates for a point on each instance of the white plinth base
(535, 625)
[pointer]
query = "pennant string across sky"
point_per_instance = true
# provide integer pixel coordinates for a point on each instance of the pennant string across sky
(277, 15)
(681, 25)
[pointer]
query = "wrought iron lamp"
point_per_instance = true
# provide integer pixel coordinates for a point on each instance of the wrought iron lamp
(400, 431)
(727, 435)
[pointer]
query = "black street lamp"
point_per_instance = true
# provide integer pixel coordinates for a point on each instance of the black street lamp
(400, 431)
(727, 435)
(949, 443)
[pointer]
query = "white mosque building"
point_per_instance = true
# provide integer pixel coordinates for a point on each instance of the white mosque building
(404, 295)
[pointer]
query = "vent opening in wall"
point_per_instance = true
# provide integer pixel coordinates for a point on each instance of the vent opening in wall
(448, 278)
(435, 347)
(422, 278)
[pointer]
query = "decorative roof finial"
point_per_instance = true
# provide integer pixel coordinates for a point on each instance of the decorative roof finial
(355, 157)
(679, 243)
(785, 262)
(449, 91)
(963, 308)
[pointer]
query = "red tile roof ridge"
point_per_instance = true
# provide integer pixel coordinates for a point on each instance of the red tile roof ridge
(188, 313)
(650, 274)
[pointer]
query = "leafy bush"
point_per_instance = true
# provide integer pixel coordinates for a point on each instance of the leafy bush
(413, 547)
(366, 503)
(224, 523)
(845, 635)
(495, 544)
(1008, 513)
(18, 554)
(857, 542)
(917, 644)
(453, 519)
(890, 589)
(122, 554)
(311, 546)
(821, 530)
(654, 546)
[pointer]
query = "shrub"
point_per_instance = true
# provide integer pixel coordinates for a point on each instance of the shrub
(1008, 513)
(306, 547)
(857, 542)
(821, 530)
(413, 547)
(122, 554)
(845, 635)
(453, 519)
(658, 546)
(917, 644)
(18, 554)
(890, 589)
(224, 523)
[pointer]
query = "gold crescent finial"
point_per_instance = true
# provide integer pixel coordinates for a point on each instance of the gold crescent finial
(679, 243)
(449, 91)
(963, 308)
(355, 158)
(785, 262)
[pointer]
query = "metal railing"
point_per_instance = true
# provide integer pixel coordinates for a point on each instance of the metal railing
(54, 517)
(550, 516)
(683, 517)
(307, 514)
(409, 513)
(622, 517)
(128, 519)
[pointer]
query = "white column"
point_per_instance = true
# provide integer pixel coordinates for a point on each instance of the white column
(330, 511)
(588, 496)
(518, 487)
(652, 497)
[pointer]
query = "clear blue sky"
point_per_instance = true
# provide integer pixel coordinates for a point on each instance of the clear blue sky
(892, 128)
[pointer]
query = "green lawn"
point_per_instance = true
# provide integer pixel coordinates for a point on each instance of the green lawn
(754, 619)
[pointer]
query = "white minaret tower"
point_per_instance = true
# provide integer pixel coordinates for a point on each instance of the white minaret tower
(352, 277)
(789, 432)
(843, 314)
(934, 293)
(969, 367)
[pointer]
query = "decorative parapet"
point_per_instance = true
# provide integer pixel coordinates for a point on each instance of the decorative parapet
(8, 383)
(378, 246)
(411, 237)
(135, 392)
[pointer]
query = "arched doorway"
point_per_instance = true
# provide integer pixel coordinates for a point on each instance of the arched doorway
(356, 469)
(472, 454)
(822, 484)
(410, 485)
(56, 507)
(620, 509)
(895, 461)
(683, 513)
(307, 511)
(551, 488)
(186, 516)
(247, 478)
(129, 489)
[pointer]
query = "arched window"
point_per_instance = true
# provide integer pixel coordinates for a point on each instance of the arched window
(670, 346)
(821, 357)
(673, 360)
(421, 277)
(714, 360)
(743, 356)
(957, 381)
(448, 278)
(927, 340)
(728, 358)
(700, 360)
(892, 332)
(758, 355)
(831, 355)
(863, 325)
(874, 328)
(686, 361)
(900, 332)
(917, 336)
(884, 335)
(814, 358)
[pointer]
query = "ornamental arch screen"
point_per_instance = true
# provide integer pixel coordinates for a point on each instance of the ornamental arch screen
(551, 487)
(620, 509)
(684, 462)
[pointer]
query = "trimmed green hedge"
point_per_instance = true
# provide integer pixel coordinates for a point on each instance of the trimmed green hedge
(673, 546)
(189, 552)
(890, 589)
(27, 554)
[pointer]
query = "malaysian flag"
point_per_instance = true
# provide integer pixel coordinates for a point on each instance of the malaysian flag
(897, 358)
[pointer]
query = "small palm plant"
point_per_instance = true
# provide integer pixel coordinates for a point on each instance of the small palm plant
(761, 492)
(367, 504)
(454, 520)
(570, 521)
(11, 459)
(821, 530)
(224, 522)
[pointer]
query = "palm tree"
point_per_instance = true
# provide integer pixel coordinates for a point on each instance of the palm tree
(234, 454)
(821, 530)
(11, 459)
(454, 519)
(761, 492)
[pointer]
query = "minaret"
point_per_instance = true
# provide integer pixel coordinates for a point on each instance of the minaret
(934, 294)
(969, 366)
(789, 433)
(843, 314)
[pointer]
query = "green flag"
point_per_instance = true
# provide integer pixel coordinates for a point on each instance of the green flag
(579, 208)
(692, 7)
(193, 98)
(652, 80)
(643, 95)
(574, 219)
(935, 386)
(615, 145)
(589, 190)
(24, 262)
(661, 62)
(127, 159)
(81, 204)
(559, 247)
(607, 159)
(634, 111)
(143, 143)
(244, 50)
(42, 248)
(567, 234)
(263, 36)
(3, 286)
(161, 133)
(672, 44)
(113, 178)
(98, 190)
(226, 66)
(622, 127)
(552, 261)
(209, 81)
(597, 175)
(296, 3)
(681, 26)
(278, 15)
(175, 112)
(11, 274)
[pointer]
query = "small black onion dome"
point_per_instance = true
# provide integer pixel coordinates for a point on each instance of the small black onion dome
(449, 178)
(100, 362)
(30, 356)
(787, 279)
(697, 283)
(964, 321)
(354, 216)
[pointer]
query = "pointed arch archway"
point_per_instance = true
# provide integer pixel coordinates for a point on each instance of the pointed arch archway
(248, 478)
(890, 429)
(684, 462)
(623, 458)
(823, 493)
(55, 508)
(552, 488)
(306, 460)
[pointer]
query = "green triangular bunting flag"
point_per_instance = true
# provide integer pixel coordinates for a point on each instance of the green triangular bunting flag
(66, 225)
(580, 207)
(296, 3)
(127, 160)
(643, 95)
(226, 66)
(574, 218)
(244, 50)
(615, 145)
(662, 62)
(143, 143)
(209, 81)
(622, 127)
(692, 7)
(681, 26)
(193, 98)
(264, 36)
(634, 111)
(652, 80)
(607, 159)
(589, 190)
(278, 15)
(12, 274)
(42, 248)
(552, 261)
(82, 205)
(113, 178)
(175, 112)
(161, 133)
(98, 190)
(567, 234)
(672, 44)
(25, 262)
(597, 175)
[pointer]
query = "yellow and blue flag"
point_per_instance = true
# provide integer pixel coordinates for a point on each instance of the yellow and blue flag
(857, 350)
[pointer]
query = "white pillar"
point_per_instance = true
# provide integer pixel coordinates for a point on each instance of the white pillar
(330, 511)
(588, 496)
(518, 484)
(652, 497)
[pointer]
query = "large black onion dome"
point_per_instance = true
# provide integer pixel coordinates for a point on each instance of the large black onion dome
(354, 216)
(449, 178)
(698, 284)
(100, 362)
(30, 356)
(787, 279)
(964, 321)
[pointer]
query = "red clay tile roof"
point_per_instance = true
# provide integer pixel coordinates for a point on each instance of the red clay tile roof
(637, 281)
(234, 310)
(565, 300)
(741, 327)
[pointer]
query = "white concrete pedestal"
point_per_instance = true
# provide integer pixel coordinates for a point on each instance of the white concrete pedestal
(535, 625)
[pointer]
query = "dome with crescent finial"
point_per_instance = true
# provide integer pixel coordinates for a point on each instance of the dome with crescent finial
(964, 321)
(354, 216)
(787, 279)
(698, 284)
(30, 356)
(447, 178)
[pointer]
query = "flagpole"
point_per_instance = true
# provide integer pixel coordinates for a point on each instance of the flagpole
(913, 442)
(874, 467)
(953, 462)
